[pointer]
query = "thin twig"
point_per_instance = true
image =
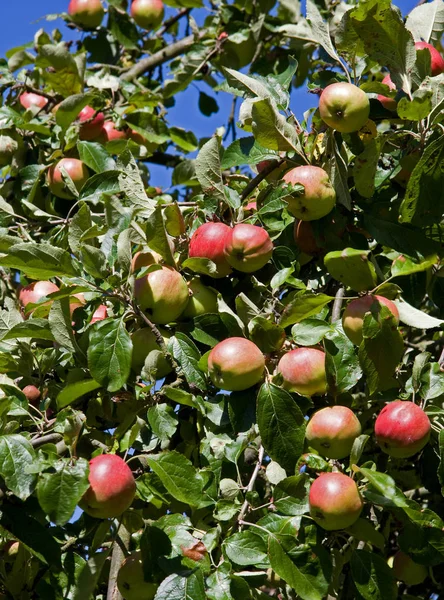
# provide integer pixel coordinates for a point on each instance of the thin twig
(116, 562)
(50, 438)
(170, 22)
(337, 305)
(250, 486)
(252, 185)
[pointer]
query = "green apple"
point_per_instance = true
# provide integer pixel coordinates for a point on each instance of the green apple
(86, 13)
(144, 342)
(202, 301)
(163, 294)
(406, 570)
(344, 107)
(148, 14)
(131, 581)
(318, 197)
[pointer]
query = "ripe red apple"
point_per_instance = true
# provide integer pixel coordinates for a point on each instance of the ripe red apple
(208, 241)
(335, 501)
(32, 293)
(148, 14)
(75, 168)
(90, 129)
(353, 317)
(236, 364)
(144, 342)
(202, 301)
(402, 429)
(331, 431)
(344, 107)
(436, 60)
(112, 487)
(319, 196)
(303, 371)
(28, 99)
(388, 103)
(304, 238)
(109, 133)
(131, 581)
(406, 570)
(248, 248)
(163, 294)
(86, 13)
(32, 394)
(99, 314)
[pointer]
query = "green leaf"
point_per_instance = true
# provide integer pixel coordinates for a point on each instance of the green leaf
(185, 140)
(208, 169)
(291, 495)
(188, 356)
(352, 268)
(365, 531)
(372, 576)
(95, 156)
(303, 305)
(69, 109)
(246, 548)
(365, 165)
(320, 30)
(178, 587)
(80, 223)
(73, 391)
(163, 421)
(418, 107)
(207, 104)
(16, 453)
(271, 129)
(246, 151)
(33, 328)
(416, 318)
(123, 29)
(205, 266)
(157, 236)
(60, 324)
(425, 22)
(341, 362)
(432, 382)
(265, 334)
(131, 183)
(386, 487)
(39, 261)
(310, 332)
(89, 575)
(101, 185)
(404, 265)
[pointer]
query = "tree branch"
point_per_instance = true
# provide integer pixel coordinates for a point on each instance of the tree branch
(170, 22)
(50, 438)
(250, 486)
(336, 312)
(116, 562)
(252, 185)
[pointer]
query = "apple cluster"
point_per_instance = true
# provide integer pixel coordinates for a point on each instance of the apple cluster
(88, 14)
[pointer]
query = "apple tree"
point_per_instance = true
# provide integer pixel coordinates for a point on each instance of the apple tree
(221, 357)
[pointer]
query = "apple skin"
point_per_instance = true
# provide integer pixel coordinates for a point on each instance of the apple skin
(202, 301)
(163, 294)
(436, 60)
(208, 241)
(131, 582)
(402, 429)
(353, 317)
(406, 570)
(344, 107)
(148, 14)
(331, 431)
(32, 394)
(144, 342)
(33, 292)
(319, 197)
(86, 13)
(75, 168)
(144, 259)
(92, 129)
(236, 364)
(100, 314)
(388, 103)
(109, 133)
(335, 501)
(29, 99)
(303, 371)
(112, 487)
(248, 248)
(304, 238)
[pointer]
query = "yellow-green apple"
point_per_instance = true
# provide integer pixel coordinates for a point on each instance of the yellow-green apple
(436, 60)
(248, 248)
(202, 300)
(319, 196)
(236, 364)
(163, 294)
(208, 241)
(335, 501)
(344, 107)
(402, 429)
(303, 371)
(91, 123)
(388, 103)
(144, 342)
(353, 317)
(131, 581)
(86, 13)
(34, 292)
(99, 314)
(32, 394)
(406, 570)
(110, 133)
(148, 14)
(331, 431)
(75, 168)
(29, 99)
(111, 487)
(144, 259)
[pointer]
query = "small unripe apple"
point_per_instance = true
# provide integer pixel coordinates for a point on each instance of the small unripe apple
(236, 364)
(32, 394)
(388, 103)
(109, 133)
(319, 196)
(436, 60)
(344, 107)
(406, 570)
(148, 14)
(303, 371)
(131, 581)
(163, 294)
(111, 487)
(32, 293)
(335, 501)
(402, 429)
(75, 168)
(86, 13)
(208, 241)
(99, 314)
(29, 99)
(90, 128)
(332, 430)
(144, 342)
(248, 248)
(144, 259)
(353, 317)
(202, 301)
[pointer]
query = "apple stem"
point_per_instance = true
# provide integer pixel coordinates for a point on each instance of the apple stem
(119, 551)
(251, 483)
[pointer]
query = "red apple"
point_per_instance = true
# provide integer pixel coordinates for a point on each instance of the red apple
(28, 99)
(32, 293)
(319, 196)
(148, 14)
(91, 126)
(335, 502)
(112, 487)
(250, 208)
(353, 317)
(109, 133)
(248, 248)
(145, 342)
(163, 294)
(208, 241)
(436, 60)
(131, 580)
(388, 103)
(236, 364)
(99, 314)
(331, 431)
(402, 429)
(32, 394)
(304, 238)
(344, 107)
(303, 371)
(202, 300)
(406, 570)
(86, 13)
(75, 168)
